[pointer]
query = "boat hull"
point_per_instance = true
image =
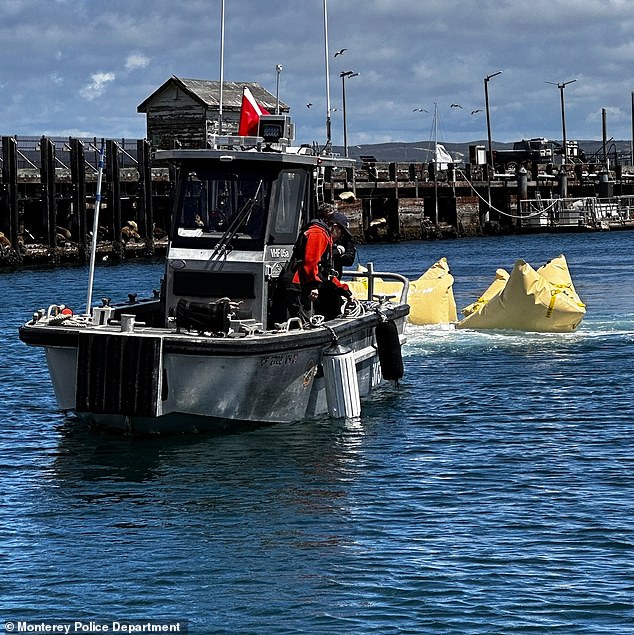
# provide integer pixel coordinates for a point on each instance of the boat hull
(156, 380)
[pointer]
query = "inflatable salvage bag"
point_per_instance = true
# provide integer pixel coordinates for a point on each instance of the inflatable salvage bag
(431, 298)
(527, 300)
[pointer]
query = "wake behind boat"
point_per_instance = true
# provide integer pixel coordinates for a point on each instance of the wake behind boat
(208, 348)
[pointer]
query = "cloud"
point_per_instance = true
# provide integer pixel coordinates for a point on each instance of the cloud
(136, 60)
(97, 85)
(56, 79)
(437, 51)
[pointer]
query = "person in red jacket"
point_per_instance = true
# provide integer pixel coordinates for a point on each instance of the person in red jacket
(312, 286)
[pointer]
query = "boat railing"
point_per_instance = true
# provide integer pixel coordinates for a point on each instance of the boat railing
(368, 273)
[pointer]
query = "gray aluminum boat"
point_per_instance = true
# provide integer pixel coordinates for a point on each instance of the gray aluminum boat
(207, 352)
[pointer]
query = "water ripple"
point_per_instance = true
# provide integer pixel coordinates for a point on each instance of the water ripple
(490, 492)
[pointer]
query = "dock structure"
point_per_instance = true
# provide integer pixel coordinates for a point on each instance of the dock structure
(410, 201)
(48, 188)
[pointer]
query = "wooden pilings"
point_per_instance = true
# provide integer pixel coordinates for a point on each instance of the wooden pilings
(79, 232)
(145, 211)
(47, 193)
(49, 200)
(9, 219)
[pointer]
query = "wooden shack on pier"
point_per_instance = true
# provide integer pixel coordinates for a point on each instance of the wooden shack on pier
(184, 112)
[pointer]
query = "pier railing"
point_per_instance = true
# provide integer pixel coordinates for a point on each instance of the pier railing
(581, 212)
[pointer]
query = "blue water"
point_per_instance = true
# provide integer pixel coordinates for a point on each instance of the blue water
(493, 492)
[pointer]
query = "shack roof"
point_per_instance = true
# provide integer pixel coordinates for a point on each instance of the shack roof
(207, 92)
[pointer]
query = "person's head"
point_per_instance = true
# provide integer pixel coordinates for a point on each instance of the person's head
(132, 224)
(339, 223)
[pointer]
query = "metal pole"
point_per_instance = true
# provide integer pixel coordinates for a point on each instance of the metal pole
(222, 61)
(486, 105)
(632, 148)
(490, 153)
(436, 165)
(345, 124)
(345, 75)
(563, 123)
(561, 86)
(277, 90)
(327, 55)
(95, 231)
(604, 128)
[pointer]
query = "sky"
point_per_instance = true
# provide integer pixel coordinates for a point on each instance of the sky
(81, 67)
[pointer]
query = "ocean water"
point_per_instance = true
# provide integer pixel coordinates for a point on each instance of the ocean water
(491, 492)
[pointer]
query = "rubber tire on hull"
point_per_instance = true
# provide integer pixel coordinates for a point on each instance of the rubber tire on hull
(389, 349)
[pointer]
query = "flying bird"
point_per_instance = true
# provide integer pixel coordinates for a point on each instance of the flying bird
(341, 52)
(473, 112)
(308, 105)
(455, 106)
(420, 110)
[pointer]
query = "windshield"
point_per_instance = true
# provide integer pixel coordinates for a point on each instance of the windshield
(232, 204)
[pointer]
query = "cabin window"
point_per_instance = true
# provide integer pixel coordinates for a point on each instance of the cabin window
(220, 204)
(234, 204)
(288, 201)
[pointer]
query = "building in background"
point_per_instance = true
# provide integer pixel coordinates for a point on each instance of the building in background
(185, 112)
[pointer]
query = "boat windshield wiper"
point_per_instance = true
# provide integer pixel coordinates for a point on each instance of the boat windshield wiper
(236, 224)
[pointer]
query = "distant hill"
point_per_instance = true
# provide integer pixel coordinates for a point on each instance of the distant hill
(422, 151)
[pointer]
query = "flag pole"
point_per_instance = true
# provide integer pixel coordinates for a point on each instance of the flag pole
(327, 56)
(222, 61)
(95, 231)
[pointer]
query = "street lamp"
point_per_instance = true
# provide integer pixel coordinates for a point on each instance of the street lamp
(345, 75)
(486, 105)
(490, 153)
(278, 70)
(561, 86)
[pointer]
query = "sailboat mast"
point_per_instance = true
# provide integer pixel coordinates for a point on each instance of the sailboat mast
(435, 163)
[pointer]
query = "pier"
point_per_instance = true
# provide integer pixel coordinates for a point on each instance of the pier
(48, 187)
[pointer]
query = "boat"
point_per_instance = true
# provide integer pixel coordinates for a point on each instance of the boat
(206, 350)
(542, 300)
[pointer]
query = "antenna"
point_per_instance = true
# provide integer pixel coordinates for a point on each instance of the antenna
(328, 121)
(95, 231)
(222, 61)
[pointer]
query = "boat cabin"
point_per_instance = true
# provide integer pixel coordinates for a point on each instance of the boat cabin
(237, 216)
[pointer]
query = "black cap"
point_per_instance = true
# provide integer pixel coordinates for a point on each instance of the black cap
(337, 218)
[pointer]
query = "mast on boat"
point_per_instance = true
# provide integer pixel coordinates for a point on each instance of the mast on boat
(95, 232)
(327, 55)
(222, 62)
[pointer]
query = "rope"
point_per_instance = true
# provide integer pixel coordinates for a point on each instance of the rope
(495, 209)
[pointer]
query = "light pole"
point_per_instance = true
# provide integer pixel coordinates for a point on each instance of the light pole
(345, 75)
(561, 86)
(486, 105)
(278, 70)
(490, 152)
(632, 147)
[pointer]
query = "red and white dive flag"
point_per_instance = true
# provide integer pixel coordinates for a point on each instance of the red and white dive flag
(250, 115)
